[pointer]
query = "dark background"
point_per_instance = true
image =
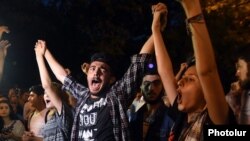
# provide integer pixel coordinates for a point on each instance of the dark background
(75, 29)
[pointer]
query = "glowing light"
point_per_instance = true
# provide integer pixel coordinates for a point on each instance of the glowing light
(150, 65)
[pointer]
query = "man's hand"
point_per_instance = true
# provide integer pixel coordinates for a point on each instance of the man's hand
(235, 86)
(40, 48)
(160, 16)
(4, 29)
(28, 136)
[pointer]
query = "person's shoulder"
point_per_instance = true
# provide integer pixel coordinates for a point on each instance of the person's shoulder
(31, 112)
(19, 122)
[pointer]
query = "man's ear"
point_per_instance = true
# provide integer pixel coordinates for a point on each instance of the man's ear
(112, 80)
(67, 71)
(85, 68)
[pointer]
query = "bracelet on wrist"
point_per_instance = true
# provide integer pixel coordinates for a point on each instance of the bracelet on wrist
(199, 18)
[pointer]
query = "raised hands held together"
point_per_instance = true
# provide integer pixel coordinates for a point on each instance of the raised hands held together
(40, 48)
(159, 12)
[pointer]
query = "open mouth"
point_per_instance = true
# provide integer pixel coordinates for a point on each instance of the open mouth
(96, 81)
(179, 98)
(96, 84)
(47, 101)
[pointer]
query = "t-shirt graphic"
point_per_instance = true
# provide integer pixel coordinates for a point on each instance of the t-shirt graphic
(88, 118)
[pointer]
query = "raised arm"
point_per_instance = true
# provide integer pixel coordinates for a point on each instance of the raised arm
(163, 60)
(205, 63)
(148, 46)
(59, 71)
(4, 45)
(40, 49)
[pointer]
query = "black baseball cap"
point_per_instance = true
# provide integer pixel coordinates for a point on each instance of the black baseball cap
(103, 57)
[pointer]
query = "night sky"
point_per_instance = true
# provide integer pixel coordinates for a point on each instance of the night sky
(75, 29)
(73, 32)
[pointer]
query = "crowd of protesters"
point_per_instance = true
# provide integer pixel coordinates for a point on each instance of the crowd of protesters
(148, 103)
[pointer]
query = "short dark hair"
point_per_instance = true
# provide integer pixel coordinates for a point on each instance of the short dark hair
(38, 89)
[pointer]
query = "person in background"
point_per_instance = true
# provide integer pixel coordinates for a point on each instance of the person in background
(152, 120)
(13, 96)
(11, 128)
(243, 76)
(23, 96)
(38, 117)
(28, 109)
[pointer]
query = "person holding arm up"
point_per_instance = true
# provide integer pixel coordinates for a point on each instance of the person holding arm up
(59, 124)
(101, 109)
(199, 94)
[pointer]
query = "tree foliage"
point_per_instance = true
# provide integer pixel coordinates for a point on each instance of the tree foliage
(236, 14)
(229, 26)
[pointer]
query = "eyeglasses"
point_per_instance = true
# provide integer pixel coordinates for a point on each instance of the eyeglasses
(154, 82)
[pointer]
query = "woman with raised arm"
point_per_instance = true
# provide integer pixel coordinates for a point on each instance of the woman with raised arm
(199, 94)
(60, 120)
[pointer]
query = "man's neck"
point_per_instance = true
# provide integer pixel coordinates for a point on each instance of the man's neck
(152, 107)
